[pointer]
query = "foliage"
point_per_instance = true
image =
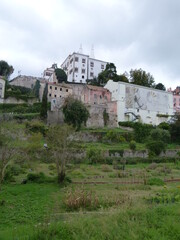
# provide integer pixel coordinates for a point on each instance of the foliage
(5, 69)
(140, 77)
(160, 86)
(142, 131)
(44, 105)
(155, 181)
(175, 129)
(20, 108)
(39, 178)
(36, 88)
(94, 155)
(164, 125)
(132, 145)
(75, 113)
(159, 134)
(156, 147)
(165, 198)
(61, 75)
(105, 117)
(60, 147)
(36, 127)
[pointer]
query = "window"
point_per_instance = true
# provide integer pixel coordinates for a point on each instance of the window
(76, 59)
(66, 90)
(70, 71)
(60, 89)
(82, 77)
(50, 87)
(55, 88)
(76, 69)
(71, 60)
(50, 95)
(102, 66)
(91, 74)
(100, 96)
(55, 95)
(48, 74)
(83, 70)
(91, 64)
(80, 81)
(83, 60)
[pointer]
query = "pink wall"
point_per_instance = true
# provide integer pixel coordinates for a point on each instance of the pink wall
(176, 102)
(96, 95)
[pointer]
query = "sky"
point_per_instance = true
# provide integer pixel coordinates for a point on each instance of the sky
(132, 34)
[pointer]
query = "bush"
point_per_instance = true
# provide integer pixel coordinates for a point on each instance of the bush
(132, 145)
(39, 178)
(94, 155)
(155, 181)
(159, 134)
(164, 125)
(36, 127)
(156, 147)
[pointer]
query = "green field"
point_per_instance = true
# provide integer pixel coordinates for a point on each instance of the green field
(109, 201)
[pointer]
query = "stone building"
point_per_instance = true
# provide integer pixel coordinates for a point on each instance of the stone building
(2, 89)
(139, 103)
(176, 99)
(96, 99)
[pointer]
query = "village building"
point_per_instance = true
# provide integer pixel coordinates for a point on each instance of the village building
(96, 99)
(2, 89)
(139, 103)
(79, 67)
(176, 99)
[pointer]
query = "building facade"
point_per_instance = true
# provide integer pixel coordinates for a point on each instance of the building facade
(176, 99)
(80, 67)
(138, 103)
(2, 89)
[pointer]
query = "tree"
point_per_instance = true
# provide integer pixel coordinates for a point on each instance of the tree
(36, 88)
(160, 86)
(140, 77)
(75, 112)
(61, 75)
(44, 105)
(59, 144)
(5, 69)
(121, 78)
(109, 73)
(6, 152)
(175, 129)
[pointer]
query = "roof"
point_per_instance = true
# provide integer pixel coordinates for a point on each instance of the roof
(97, 88)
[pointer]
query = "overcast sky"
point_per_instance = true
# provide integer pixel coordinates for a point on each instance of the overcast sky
(130, 33)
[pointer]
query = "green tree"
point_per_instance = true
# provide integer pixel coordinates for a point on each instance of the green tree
(60, 147)
(140, 77)
(109, 73)
(5, 69)
(6, 153)
(75, 112)
(175, 129)
(36, 88)
(44, 105)
(61, 75)
(160, 134)
(160, 86)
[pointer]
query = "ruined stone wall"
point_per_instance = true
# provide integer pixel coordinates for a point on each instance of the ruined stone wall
(25, 81)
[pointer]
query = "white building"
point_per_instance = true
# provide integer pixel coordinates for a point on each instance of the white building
(80, 67)
(147, 105)
(2, 89)
(49, 73)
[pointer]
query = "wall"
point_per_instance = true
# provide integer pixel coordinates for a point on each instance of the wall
(19, 101)
(142, 102)
(25, 81)
(2, 89)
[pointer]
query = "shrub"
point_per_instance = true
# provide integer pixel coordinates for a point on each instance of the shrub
(36, 127)
(164, 125)
(156, 147)
(94, 155)
(39, 178)
(106, 168)
(155, 181)
(132, 145)
(159, 134)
